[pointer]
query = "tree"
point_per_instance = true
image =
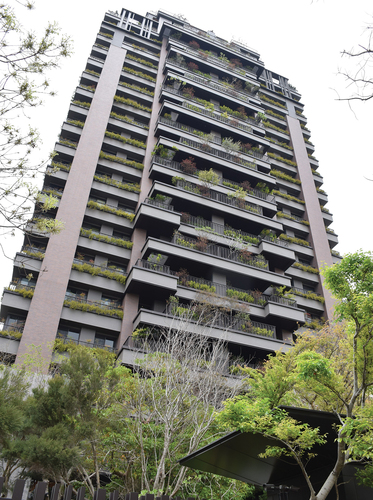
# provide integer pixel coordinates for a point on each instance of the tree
(331, 372)
(168, 409)
(360, 78)
(24, 61)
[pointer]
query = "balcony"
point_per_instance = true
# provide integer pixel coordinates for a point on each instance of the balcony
(152, 212)
(99, 277)
(245, 125)
(236, 264)
(151, 278)
(238, 334)
(92, 345)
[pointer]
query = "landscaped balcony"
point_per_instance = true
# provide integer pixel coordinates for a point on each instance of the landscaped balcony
(100, 277)
(110, 214)
(237, 333)
(239, 264)
(92, 345)
(101, 243)
(153, 212)
(152, 278)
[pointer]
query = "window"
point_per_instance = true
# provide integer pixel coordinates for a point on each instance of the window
(102, 341)
(68, 333)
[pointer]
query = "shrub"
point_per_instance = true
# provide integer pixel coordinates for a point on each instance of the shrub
(237, 295)
(189, 166)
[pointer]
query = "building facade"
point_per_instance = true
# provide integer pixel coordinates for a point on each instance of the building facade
(184, 168)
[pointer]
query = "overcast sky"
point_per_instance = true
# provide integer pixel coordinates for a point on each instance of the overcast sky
(300, 39)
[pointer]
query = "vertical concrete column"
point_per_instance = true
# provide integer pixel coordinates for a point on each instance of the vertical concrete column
(45, 310)
(317, 227)
(130, 303)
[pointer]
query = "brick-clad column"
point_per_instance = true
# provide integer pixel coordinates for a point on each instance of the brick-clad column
(317, 227)
(130, 303)
(45, 310)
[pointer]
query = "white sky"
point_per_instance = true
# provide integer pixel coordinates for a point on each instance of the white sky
(300, 39)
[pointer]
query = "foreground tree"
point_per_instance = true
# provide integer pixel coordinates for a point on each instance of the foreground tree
(24, 62)
(331, 372)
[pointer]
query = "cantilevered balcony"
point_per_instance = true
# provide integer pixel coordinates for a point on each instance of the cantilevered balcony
(153, 213)
(99, 277)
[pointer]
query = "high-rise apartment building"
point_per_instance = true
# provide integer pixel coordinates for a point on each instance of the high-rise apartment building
(184, 167)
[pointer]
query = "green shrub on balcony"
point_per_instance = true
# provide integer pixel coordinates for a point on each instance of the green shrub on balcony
(11, 334)
(59, 166)
(106, 239)
(237, 235)
(27, 294)
(117, 159)
(53, 192)
(291, 217)
(236, 295)
(141, 61)
(288, 196)
(308, 269)
(34, 254)
(125, 140)
(90, 88)
(106, 208)
(309, 295)
(132, 103)
(107, 35)
(66, 142)
(278, 143)
(97, 271)
(139, 74)
(93, 308)
(263, 332)
(281, 175)
(201, 286)
(91, 72)
(280, 158)
(276, 115)
(77, 123)
(293, 239)
(143, 90)
(126, 119)
(134, 188)
(82, 104)
(275, 127)
(271, 101)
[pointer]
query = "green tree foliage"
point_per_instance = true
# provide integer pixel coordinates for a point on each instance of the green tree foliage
(24, 61)
(330, 372)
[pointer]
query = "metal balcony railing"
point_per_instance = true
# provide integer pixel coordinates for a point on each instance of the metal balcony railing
(153, 266)
(112, 269)
(69, 297)
(159, 204)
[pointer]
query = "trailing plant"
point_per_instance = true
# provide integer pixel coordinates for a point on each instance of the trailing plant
(106, 208)
(282, 144)
(139, 74)
(117, 159)
(134, 188)
(36, 254)
(131, 102)
(97, 271)
(107, 35)
(143, 90)
(107, 239)
(125, 140)
(281, 175)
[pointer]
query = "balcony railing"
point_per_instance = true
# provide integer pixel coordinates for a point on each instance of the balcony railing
(220, 197)
(206, 148)
(225, 321)
(234, 255)
(15, 286)
(222, 182)
(233, 122)
(112, 305)
(153, 266)
(212, 139)
(112, 269)
(92, 345)
(159, 204)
